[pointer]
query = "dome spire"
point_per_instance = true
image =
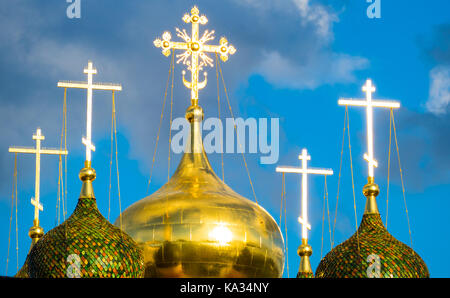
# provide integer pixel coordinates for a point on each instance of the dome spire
(371, 189)
(36, 231)
(304, 250)
(372, 251)
(86, 244)
(195, 225)
(87, 175)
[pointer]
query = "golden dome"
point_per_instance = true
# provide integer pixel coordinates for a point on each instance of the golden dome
(197, 226)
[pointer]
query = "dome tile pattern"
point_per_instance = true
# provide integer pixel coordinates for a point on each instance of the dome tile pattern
(397, 260)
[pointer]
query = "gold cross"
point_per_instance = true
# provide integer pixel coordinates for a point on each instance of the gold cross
(305, 171)
(369, 104)
(38, 151)
(195, 48)
(89, 86)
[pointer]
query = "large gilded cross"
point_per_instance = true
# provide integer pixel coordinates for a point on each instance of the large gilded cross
(90, 86)
(369, 103)
(38, 137)
(195, 48)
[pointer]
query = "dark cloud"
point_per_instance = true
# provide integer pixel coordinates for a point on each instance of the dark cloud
(424, 143)
(40, 45)
(437, 46)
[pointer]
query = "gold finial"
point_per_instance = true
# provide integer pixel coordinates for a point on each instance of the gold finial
(305, 251)
(371, 191)
(35, 232)
(87, 175)
(196, 49)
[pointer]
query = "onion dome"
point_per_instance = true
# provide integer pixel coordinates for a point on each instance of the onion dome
(35, 233)
(197, 226)
(372, 251)
(86, 244)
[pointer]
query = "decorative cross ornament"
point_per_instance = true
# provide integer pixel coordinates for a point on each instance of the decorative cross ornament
(89, 85)
(38, 151)
(369, 103)
(304, 170)
(194, 48)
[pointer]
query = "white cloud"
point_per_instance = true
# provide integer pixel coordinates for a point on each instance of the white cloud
(323, 68)
(313, 62)
(439, 95)
(318, 15)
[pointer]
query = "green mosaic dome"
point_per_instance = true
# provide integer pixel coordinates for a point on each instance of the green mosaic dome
(305, 275)
(23, 272)
(396, 258)
(88, 239)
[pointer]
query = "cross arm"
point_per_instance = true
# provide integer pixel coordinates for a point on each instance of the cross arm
(363, 103)
(37, 204)
(84, 85)
(301, 171)
(303, 222)
(33, 150)
(22, 150)
(166, 45)
(223, 49)
(54, 151)
(178, 45)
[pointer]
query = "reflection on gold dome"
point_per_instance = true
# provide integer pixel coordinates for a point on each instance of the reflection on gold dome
(197, 226)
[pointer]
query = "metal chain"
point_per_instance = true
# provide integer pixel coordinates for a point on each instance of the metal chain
(389, 168)
(17, 224)
(235, 129)
(117, 159)
(12, 209)
(339, 177)
(170, 123)
(160, 123)
(401, 177)
(353, 182)
(218, 106)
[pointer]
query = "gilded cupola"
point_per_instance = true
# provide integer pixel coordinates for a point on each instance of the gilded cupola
(195, 225)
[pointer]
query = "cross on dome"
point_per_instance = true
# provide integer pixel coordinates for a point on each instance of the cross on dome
(194, 47)
(304, 170)
(369, 103)
(38, 137)
(90, 86)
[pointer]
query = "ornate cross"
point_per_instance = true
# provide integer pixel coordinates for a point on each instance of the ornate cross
(89, 85)
(304, 170)
(38, 151)
(194, 48)
(369, 103)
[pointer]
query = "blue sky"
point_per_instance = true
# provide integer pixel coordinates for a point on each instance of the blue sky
(294, 59)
